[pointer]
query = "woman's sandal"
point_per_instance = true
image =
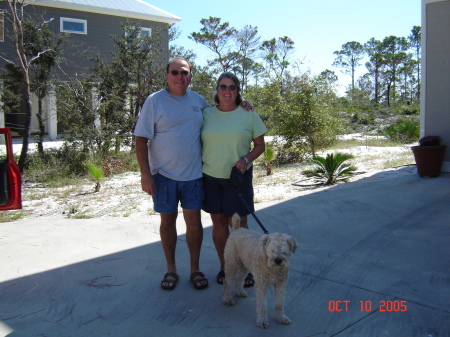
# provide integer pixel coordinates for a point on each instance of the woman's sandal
(249, 281)
(199, 281)
(220, 277)
(170, 281)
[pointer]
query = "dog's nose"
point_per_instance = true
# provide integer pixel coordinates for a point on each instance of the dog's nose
(278, 260)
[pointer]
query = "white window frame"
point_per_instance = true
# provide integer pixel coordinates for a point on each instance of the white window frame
(64, 19)
(146, 29)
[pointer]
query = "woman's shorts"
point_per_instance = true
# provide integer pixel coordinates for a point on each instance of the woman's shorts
(222, 197)
(170, 192)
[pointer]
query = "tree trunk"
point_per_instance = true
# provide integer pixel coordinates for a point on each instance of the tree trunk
(19, 50)
(26, 134)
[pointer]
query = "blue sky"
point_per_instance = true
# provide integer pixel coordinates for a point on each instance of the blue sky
(318, 27)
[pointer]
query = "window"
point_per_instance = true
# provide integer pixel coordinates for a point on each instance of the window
(146, 31)
(77, 26)
(2, 23)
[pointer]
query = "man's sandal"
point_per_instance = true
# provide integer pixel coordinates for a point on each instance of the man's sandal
(249, 281)
(170, 281)
(199, 281)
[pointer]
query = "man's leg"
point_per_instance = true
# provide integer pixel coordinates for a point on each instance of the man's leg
(168, 234)
(194, 239)
(194, 236)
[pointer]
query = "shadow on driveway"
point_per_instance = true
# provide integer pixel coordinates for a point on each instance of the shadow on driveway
(373, 260)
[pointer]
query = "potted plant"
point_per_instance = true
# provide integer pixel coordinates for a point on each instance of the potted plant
(429, 155)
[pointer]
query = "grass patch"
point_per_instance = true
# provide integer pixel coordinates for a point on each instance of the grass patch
(369, 141)
(57, 168)
(9, 216)
(403, 159)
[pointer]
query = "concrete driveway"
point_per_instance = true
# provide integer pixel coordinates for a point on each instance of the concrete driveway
(373, 260)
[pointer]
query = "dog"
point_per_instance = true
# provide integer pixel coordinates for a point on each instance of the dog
(266, 256)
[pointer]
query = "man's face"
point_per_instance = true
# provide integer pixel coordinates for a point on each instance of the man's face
(179, 77)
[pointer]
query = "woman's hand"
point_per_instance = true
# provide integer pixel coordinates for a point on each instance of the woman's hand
(241, 165)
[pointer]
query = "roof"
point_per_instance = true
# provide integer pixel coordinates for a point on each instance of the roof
(135, 9)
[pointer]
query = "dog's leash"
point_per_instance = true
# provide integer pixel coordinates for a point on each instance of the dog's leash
(252, 213)
(236, 179)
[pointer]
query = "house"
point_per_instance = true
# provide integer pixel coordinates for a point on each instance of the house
(90, 23)
(435, 86)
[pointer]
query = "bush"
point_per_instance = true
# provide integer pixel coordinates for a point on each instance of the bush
(61, 165)
(403, 130)
(410, 109)
(332, 168)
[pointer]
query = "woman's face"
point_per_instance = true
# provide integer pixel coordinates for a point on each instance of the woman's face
(227, 91)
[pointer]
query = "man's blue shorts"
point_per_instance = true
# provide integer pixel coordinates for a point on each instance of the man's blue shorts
(221, 197)
(170, 192)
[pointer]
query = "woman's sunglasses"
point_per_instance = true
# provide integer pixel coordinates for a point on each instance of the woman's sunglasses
(224, 87)
(176, 72)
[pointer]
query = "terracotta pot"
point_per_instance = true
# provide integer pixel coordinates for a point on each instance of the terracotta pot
(429, 159)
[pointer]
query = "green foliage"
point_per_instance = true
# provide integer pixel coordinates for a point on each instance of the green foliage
(298, 112)
(348, 58)
(331, 168)
(365, 119)
(203, 82)
(120, 87)
(305, 120)
(63, 166)
(96, 174)
(269, 156)
(410, 109)
(404, 130)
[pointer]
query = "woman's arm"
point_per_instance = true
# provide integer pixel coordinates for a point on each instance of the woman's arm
(258, 148)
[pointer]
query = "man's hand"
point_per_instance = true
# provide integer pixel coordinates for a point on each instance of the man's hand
(148, 184)
(246, 105)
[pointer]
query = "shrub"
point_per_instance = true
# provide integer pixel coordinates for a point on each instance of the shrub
(97, 175)
(403, 130)
(332, 168)
(269, 156)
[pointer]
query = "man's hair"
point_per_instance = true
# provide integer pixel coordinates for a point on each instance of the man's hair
(178, 59)
(236, 82)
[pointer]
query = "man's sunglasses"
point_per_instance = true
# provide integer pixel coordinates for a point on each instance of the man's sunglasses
(224, 87)
(176, 72)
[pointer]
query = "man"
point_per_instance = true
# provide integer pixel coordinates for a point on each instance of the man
(168, 151)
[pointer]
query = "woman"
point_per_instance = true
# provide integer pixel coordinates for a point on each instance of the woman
(227, 135)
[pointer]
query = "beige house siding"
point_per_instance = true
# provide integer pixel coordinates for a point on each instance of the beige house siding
(435, 100)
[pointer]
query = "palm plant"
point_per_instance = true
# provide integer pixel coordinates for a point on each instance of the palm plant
(332, 168)
(269, 156)
(97, 175)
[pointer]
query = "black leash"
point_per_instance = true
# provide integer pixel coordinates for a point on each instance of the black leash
(252, 213)
(237, 179)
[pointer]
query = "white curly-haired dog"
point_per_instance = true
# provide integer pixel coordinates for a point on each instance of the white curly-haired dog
(266, 256)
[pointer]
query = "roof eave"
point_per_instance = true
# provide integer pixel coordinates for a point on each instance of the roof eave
(107, 11)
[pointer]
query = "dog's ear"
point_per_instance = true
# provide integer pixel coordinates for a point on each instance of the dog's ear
(292, 244)
(265, 240)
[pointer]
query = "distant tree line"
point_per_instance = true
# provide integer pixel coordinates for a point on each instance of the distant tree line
(99, 111)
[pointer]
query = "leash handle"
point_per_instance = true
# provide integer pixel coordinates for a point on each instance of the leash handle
(253, 214)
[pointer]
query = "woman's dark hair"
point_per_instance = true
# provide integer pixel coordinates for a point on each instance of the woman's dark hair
(236, 82)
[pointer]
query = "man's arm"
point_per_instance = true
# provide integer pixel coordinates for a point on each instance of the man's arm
(147, 181)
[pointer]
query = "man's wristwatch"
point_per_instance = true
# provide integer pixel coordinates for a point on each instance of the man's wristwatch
(246, 160)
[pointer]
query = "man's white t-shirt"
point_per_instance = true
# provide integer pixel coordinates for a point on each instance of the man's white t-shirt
(173, 126)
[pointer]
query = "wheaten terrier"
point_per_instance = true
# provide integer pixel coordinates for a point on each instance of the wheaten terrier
(267, 258)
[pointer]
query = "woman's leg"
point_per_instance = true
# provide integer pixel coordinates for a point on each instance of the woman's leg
(220, 234)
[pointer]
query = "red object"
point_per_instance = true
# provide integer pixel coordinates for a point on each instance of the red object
(10, 176)
(429, 159)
